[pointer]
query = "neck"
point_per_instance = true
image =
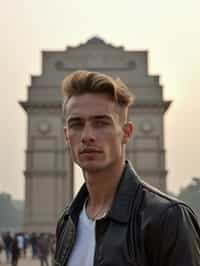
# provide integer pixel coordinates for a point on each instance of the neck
(102, 186)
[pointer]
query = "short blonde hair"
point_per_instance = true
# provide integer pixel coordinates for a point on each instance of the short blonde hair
(81, 82)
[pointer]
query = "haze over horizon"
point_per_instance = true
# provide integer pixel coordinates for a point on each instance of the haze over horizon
(168, 30)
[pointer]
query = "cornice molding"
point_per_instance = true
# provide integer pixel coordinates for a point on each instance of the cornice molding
(164, 105)
(61, 151)
(45, 173)
(28, 105)
(58, 105)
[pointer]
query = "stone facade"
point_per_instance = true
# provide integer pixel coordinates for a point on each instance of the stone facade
(49, 170)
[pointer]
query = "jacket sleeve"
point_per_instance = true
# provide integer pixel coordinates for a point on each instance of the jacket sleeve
(59, 229)
(179, 240)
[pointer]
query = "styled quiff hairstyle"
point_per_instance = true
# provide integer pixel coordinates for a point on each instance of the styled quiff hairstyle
(81, 82)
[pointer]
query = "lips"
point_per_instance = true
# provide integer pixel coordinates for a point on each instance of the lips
(90, 151)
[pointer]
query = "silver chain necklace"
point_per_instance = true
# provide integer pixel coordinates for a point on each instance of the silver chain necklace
(99, 215)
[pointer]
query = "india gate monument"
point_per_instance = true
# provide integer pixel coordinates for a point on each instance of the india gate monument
(49, 169)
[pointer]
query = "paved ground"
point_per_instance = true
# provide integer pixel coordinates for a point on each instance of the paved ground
(28, 261)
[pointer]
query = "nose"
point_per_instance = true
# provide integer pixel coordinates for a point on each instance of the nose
(88, 135)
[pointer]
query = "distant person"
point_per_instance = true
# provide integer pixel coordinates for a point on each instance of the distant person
(43, 249)
(116, 218)
(1, 247)
(34, 245)
(25, 243)
(52, 248)
(7, 244)
(15, 251)
(20, 241)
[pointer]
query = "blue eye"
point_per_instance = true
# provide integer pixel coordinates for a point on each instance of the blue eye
(75, 125)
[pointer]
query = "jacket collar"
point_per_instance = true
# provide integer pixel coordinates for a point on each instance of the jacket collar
(125, 195)
(122, 203)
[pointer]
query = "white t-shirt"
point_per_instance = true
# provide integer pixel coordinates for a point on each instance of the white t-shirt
(83, 251)
(20, 241)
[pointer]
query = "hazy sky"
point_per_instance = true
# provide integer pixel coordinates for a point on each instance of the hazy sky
(169, 30)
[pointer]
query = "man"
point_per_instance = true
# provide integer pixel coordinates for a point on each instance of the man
(116, 219)
(43, 249)
(15, 251)
(7, 245)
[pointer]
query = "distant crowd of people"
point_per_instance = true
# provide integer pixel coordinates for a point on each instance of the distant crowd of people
(15, 246)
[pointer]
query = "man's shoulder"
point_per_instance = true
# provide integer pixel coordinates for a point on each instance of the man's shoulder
(147, 195)
(157, 204)
(150, 195)
(156, 196)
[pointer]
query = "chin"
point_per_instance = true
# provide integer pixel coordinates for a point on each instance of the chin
(92, 166)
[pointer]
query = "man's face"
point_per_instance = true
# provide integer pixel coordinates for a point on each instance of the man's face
(95, 131)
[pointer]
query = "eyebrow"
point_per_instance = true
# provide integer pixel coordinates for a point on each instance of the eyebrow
(97, 117)
(107, 117)
(73, 119)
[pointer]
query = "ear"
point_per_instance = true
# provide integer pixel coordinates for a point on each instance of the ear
(127, 132)
(66, 133)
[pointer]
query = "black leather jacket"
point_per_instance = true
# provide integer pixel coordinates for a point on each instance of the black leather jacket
(144, 227)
